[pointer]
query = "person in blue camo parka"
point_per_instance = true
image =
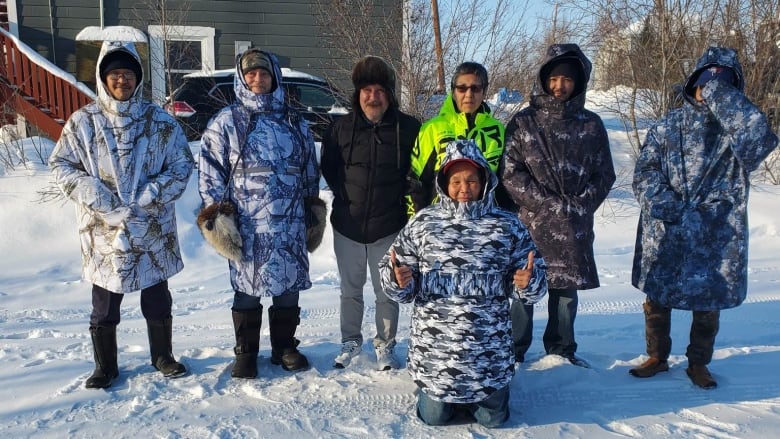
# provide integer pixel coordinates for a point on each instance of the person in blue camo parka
(258, 153)
(692, 180)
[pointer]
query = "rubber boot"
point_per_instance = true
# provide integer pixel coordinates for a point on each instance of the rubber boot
(704, 328)
(658, 325)
(161, 348)
(283, 322)
(246, 324)
(104, 350)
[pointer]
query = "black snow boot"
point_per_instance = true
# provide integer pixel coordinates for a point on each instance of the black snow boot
(283, 322)
(161, 348)
(246, 324)
(104, 350)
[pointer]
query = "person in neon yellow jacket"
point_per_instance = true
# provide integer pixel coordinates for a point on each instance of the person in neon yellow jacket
(464, 115)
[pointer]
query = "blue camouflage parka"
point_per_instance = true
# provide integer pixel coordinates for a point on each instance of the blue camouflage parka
(277, 168)
(692, 180)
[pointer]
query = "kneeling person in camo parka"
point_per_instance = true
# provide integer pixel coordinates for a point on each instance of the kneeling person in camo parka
(459, 261)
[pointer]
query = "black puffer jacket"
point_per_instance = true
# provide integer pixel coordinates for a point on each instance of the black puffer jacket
(365, 166)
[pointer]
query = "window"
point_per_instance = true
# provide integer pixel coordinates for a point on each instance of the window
(190, 49)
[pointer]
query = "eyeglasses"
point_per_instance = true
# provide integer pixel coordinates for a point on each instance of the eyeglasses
(128, 76)
(475, 88)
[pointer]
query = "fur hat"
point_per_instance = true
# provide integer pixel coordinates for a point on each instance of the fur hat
(373, 70)
(217, 223)
(119, 59)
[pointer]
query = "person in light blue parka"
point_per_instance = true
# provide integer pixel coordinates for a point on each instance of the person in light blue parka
(692, 180)
(258, 154)
(124, 161)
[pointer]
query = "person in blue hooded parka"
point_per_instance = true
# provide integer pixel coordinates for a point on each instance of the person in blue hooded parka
(692, 180)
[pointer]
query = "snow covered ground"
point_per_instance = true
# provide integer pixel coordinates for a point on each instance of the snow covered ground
(45, 350)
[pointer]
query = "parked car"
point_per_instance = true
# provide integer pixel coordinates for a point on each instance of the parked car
(201, 95)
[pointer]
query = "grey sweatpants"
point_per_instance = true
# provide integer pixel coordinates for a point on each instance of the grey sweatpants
(352, 259)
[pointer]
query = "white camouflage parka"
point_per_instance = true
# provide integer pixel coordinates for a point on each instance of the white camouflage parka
(692, 180)
(463, 257)
(276, 170)
(111, 156)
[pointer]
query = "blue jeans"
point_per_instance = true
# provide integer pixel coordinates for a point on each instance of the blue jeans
(490, 412)
(558, 335)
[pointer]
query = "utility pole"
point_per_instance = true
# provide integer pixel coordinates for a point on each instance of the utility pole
(437, 44)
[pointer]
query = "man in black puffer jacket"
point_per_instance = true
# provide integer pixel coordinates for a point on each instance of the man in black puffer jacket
(365, 160)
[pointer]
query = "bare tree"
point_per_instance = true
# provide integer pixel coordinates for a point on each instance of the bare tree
(643, 50)
(496, 36)
(178, 53)
(651, 46)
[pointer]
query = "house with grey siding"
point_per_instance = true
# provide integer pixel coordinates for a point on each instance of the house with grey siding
(202, 35)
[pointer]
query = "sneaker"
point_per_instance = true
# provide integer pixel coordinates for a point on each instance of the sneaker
(701, 377)
(649, 368)
(349, 350)
(385, 357)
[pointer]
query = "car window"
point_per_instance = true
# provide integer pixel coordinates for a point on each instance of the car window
(310, 96)
(223, 93)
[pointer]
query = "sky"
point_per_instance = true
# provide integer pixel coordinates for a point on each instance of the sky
(46, 354)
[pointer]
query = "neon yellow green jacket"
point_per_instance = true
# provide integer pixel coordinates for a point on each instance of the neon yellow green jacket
(433, 138)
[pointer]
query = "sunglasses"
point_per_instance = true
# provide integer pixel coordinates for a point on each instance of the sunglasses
(475, 88)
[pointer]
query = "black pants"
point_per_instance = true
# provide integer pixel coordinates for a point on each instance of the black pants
(156, 304)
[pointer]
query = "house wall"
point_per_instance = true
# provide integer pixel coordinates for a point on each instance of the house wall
(287, 28)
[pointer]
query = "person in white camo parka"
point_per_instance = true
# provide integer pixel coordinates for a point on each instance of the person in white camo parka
(459, 261)
(124, 162)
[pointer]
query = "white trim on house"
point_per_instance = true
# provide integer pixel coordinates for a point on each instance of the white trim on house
(158, 34)
(13, 18)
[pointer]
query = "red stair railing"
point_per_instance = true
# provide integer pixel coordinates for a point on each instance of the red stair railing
(45, 99)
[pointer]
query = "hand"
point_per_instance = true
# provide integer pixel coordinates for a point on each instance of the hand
(116, 217)
(147, 195)
(403, 274)
(523, 275)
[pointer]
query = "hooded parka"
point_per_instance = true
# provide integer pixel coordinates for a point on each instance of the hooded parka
(463, 257)
(557, 170)
(272, 150)
(124, 163)
(692, 180)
